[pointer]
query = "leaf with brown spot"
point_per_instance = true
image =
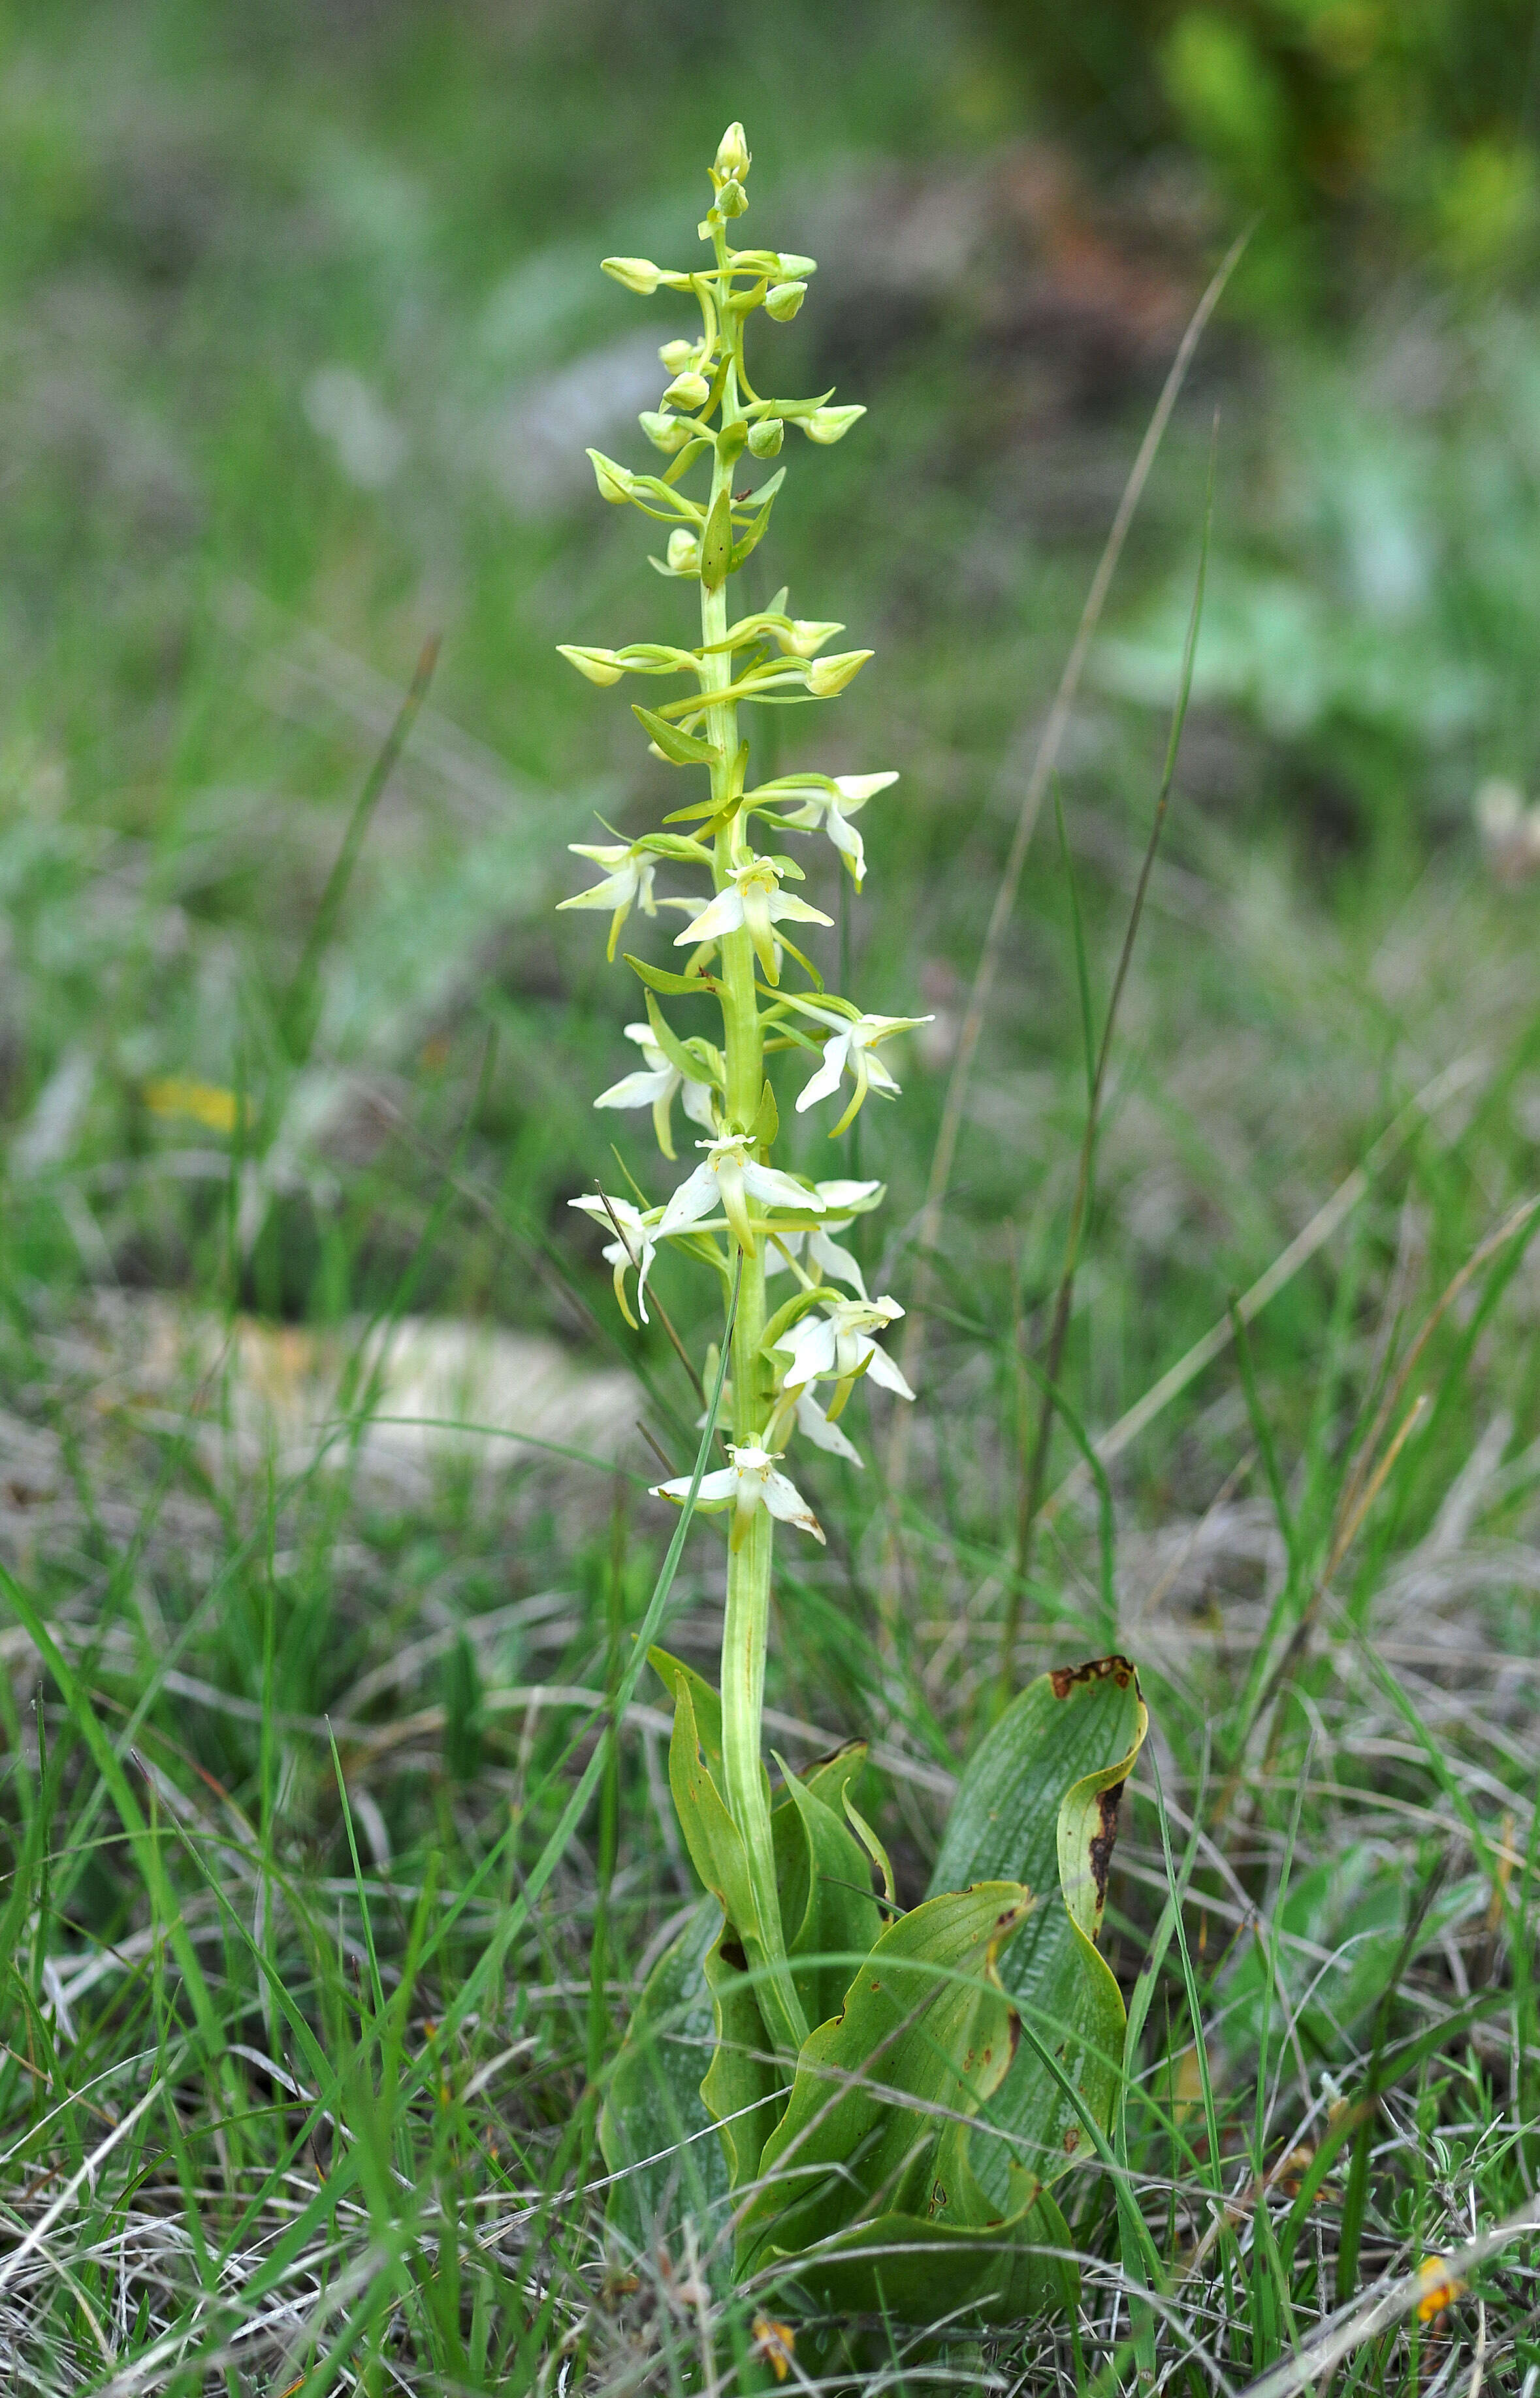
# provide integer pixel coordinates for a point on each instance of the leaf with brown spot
(1039, 1800)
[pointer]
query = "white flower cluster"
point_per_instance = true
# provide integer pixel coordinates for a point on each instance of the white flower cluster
(736, 1209)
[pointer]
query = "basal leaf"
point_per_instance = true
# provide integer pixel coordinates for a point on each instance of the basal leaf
(1039, 1800)
(908, 2268)
(705, 1702)
(828, 1911)
(745, 2087)
(654, 2130)
(713, 1840)
(876, 2121)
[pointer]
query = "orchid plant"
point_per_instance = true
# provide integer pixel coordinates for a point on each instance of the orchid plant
(791, 1913)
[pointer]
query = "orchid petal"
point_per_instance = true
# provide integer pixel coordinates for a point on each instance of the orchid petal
(698, 1195)
(825, 1082)
(639, 1090)
(834, 1263)
(814, 1426)
(721, 915)
(886, 1373)
(786, 1502)
(773, 1189)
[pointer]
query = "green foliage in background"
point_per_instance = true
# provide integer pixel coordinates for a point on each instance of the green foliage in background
(1366, 133)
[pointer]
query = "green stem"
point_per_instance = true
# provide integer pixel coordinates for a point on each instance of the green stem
(747, 1623)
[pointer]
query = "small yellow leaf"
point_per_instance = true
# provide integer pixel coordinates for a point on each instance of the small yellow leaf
(1439, 2289)
(204, 1102)
(776, 2342)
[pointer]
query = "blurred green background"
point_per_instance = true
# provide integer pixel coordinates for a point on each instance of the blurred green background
(302, 337)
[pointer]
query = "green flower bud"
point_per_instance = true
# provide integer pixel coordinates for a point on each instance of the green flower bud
(664, 433)
(733, 156)
(791, 265)
(826, 675)
(731, 201)
(783, 300)
(683, 551)
(806, 639)
(765, 439)
(677, 356)
(637, 274)
(688, 390)
(614, 482)
(828, 425)
(598, 665)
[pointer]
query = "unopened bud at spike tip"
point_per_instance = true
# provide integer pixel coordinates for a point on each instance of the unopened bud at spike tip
(731, 201)
(733, 155)
(637, 274)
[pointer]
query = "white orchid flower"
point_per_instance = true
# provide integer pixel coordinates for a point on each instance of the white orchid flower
(814, 1426)
(728, 1177)
(753, 899)
(628, 882)
(749, 1481)
(831, 800)
(841, 1343)
(852, 1047)
(694, 908)
(826, 1259)
(634, 1249)
(656, 1084)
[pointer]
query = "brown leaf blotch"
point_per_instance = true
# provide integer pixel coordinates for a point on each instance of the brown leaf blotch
(1104, 1840)
(1064, 1678)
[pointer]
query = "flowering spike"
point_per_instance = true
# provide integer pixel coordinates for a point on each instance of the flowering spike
(738, 1208)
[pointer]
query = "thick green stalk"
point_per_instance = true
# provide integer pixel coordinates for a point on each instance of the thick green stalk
(747, 1625)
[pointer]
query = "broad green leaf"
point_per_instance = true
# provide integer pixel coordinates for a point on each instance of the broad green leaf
(824, 1879)
(909, 2269)
(713, 1840)
(1039, 1801)
(654, 2130)
(878, 2118)
(705, 1702)
(744, 2087)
